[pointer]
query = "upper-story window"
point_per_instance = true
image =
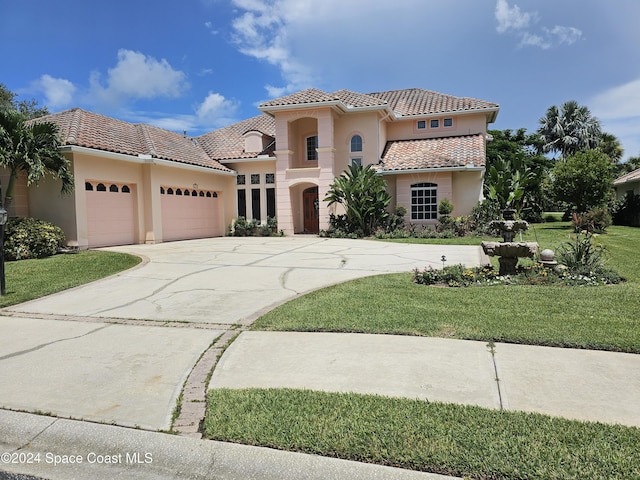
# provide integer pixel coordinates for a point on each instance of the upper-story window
(435, 123)
(356, 143)
(422, 124)
(447, 122)
(312, 145)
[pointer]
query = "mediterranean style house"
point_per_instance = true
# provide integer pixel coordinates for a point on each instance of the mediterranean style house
(136, 183)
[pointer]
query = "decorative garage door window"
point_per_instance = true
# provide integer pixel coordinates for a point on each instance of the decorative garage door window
(187, 192)
(104, 187)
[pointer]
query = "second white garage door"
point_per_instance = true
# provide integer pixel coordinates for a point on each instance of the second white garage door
(190, 213)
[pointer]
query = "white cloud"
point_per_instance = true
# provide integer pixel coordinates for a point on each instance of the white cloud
(137, 76)
(58, 92)
(314, 43)
(619, 109)
(510, 18)
(513, 20)
(216, 110)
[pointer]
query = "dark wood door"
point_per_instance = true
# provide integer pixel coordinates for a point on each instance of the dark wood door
(310, 205)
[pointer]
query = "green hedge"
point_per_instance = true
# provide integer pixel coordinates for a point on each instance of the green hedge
(26, 238)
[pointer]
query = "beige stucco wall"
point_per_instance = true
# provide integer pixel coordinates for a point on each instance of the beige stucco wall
(621, 190)
(462, 125)
(20, 206)
(467, 192)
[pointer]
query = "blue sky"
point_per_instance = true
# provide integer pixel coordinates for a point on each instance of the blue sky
(197, 65)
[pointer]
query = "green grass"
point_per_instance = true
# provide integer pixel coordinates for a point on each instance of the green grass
(435, 437)
(30, 279)
(603, 318)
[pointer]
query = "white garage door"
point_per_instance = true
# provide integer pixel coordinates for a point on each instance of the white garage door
(190, 213)
(110, 214)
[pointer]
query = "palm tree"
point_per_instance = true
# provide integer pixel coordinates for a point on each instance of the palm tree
(364, 197)
(31, 147)
(611, 147)
(569, 129)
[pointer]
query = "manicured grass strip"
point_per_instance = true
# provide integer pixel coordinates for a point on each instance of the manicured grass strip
(434, 437)
(29, 279)
(600, 318)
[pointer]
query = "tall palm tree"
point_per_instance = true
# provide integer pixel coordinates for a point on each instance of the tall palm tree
(569, 129)
(33, 148)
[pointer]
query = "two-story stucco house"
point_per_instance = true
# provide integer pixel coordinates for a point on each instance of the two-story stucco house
(142, 184)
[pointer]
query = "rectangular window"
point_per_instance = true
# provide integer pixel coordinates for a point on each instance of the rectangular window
(422, 124)
(435, 123)
(242, 203)
(255, 179)
(424, 201)
(447, 122)
(255, 203)
(271, 202)
(240, 180)
(312, 145)
(270, 178)
(356, 161)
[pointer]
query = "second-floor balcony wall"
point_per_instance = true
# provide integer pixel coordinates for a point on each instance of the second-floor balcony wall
(302, 135)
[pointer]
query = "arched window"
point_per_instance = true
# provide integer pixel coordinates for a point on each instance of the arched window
(178, 191)
(424, 201)
(201, 193)
(356, 143)
(194, 193)
(113, 188)
(186, 193)
(126, 189)
(169, 191)
(312, 145)
(215, 194)
(101, 187)
(208, 194)
(88, 186)
(161, 190)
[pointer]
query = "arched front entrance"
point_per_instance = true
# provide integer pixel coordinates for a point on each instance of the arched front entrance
(310, 207)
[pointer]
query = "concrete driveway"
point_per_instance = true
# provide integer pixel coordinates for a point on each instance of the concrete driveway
(119, 350)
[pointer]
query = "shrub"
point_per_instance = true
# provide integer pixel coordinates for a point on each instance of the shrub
(595, 220)
(251, 228)
(27, 238)
(483, 213)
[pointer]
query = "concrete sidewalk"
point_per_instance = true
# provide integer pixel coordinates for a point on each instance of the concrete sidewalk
(577, 384)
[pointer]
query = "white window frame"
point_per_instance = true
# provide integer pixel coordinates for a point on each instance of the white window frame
(421, 124)
(424, 201)
(356, 161)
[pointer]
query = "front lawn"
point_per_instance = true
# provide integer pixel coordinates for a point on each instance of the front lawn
(30, 279)
(434, 437)
(603, 317)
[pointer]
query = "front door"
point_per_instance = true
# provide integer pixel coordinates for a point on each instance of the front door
(310, 207)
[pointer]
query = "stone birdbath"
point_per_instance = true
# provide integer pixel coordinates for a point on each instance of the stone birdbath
(509, 251)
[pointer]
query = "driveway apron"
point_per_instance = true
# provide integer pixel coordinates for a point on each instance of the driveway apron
(119, 350)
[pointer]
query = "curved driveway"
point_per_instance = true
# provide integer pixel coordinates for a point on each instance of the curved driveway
(103, 351)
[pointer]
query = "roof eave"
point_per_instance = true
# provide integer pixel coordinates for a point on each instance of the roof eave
(142, 159)
(466, 168)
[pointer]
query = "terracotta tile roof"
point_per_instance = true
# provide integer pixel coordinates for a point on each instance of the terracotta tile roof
(311, 95)
(228, 142)
(630, 177)
(416, 101)
(444, 152)
(86, 129)
(408, 102)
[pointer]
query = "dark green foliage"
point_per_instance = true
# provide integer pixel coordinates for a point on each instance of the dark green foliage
(627, 211)
(364, 197)
(584, 180)
(26, 238)
(242, 227)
